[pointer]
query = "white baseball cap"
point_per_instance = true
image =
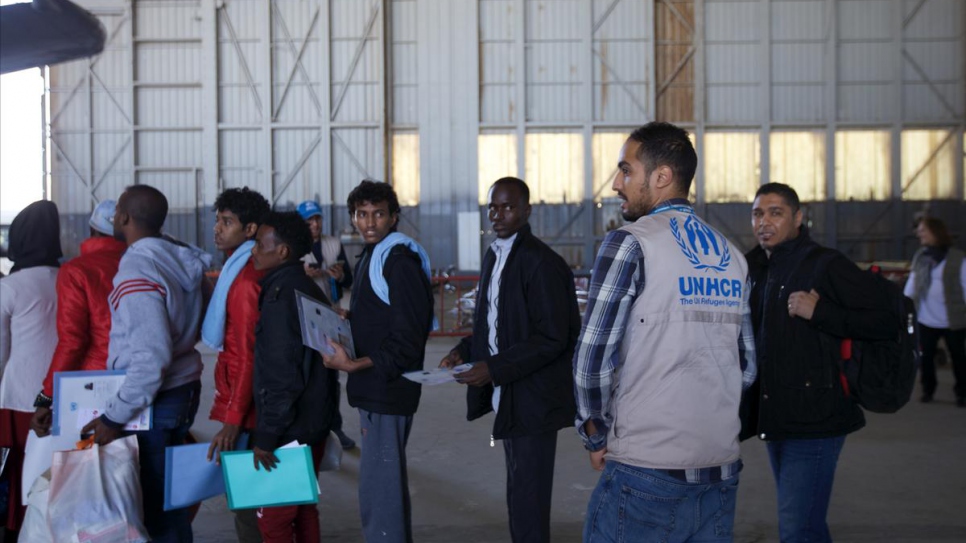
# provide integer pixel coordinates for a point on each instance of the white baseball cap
(102, 219)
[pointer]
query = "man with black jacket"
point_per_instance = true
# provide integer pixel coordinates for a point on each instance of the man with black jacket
(391, 314)
(294, 393)
(524, 330)
(799, 405)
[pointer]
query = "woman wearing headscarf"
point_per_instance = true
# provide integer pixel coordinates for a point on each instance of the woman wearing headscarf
(936, 285)
(28, 336)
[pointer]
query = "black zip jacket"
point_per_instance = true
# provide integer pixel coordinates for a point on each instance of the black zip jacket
(799, 392)
(295, 395)
(393, 336)
(538, 325)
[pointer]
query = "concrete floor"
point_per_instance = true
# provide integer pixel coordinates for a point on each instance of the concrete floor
(902, 478)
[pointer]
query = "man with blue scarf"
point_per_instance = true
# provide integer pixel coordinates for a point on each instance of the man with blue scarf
(391, 314)
(229, 327)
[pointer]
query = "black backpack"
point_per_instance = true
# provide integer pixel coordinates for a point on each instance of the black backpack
(880, 374)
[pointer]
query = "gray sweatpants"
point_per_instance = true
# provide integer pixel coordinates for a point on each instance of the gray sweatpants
(383, 482)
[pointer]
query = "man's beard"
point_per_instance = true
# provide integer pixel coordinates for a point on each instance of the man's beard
(641, 206)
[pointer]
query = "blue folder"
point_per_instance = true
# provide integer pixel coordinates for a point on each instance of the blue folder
(189, 477)
(292, 482)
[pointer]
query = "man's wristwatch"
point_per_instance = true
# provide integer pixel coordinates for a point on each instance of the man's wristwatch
(43, 400)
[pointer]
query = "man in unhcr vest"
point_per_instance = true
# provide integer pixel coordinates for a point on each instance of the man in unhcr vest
(668, 325)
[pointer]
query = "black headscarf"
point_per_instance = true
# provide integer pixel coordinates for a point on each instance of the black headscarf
(35, 237)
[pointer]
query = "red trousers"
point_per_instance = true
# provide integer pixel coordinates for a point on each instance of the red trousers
(14, 426)
(299, 523)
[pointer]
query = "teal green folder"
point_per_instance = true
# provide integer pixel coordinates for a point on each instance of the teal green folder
(292, 482)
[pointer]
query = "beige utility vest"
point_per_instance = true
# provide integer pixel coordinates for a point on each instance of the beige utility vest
(675, 397)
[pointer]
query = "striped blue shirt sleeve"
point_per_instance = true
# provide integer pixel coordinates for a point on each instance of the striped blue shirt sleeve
(617, 278)
(746, 341)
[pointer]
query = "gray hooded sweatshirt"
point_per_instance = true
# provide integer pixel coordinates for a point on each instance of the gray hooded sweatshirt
(156, 312)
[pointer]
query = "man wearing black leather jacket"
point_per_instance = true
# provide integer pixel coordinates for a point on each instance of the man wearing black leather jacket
(799, 405)
(524, 330)
(295, 395)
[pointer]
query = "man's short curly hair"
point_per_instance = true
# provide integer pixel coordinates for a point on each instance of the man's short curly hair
(249, 205)
(291, 230)
(373, 192)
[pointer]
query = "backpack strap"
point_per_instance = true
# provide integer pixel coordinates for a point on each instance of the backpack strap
(819, 257)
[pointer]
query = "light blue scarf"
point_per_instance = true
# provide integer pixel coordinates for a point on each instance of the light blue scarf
(213, 329)
(378, 260)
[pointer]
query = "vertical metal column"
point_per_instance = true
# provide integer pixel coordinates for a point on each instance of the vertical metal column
(831, 112)
(699, 105)
(766, 86)
(520, 49)
(895, 145)
(587, 76)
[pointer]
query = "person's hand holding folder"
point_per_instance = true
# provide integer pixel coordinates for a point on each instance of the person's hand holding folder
(224, 440)
(265, 458)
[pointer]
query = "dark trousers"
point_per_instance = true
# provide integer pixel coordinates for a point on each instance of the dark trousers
(384, 502)
(956, 343)
(529, 485)
(174, 412)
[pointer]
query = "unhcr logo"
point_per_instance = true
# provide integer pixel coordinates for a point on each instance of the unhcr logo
(702, 247)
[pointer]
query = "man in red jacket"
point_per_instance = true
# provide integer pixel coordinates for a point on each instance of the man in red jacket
(83, 314)
(229, 327)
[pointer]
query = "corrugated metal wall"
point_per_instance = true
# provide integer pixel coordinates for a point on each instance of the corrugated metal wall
(303, 98)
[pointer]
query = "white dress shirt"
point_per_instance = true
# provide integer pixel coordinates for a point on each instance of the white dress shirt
(501, 248)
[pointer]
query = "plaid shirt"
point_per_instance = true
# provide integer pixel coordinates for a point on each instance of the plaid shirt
(617, 279)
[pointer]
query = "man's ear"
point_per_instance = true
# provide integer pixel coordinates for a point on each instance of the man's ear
(250, 230)
(798, 218)
(284, 251)
(665, 176)
(395, 219)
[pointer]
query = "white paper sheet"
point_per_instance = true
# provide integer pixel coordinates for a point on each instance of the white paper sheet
(320, 324)
(437, 376)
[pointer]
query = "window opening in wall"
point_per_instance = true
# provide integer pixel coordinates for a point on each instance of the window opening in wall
(732, 166)
(606, 148)
(555, 167)
(928, 167)
(798, 160)
(405, 167)
(862, 165)
(496, 157)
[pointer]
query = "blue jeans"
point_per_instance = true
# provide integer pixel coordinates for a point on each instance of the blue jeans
(632, 504)
(804, 470)
(174, 412)
(383, 481)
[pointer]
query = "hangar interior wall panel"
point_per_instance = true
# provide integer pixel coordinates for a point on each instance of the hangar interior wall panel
(499, 70)
(933, 34)
(733, 48)
(799, 54)
(674, 58)
(405, 65)
(867, 61)
(303, 98)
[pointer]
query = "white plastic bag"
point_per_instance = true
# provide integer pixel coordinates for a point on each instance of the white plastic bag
(332, 458)
(39, 455)
(95, 494)
(35, 528)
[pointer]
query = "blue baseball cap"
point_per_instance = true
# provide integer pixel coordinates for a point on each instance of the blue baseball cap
(309, 209)
(102, 219)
